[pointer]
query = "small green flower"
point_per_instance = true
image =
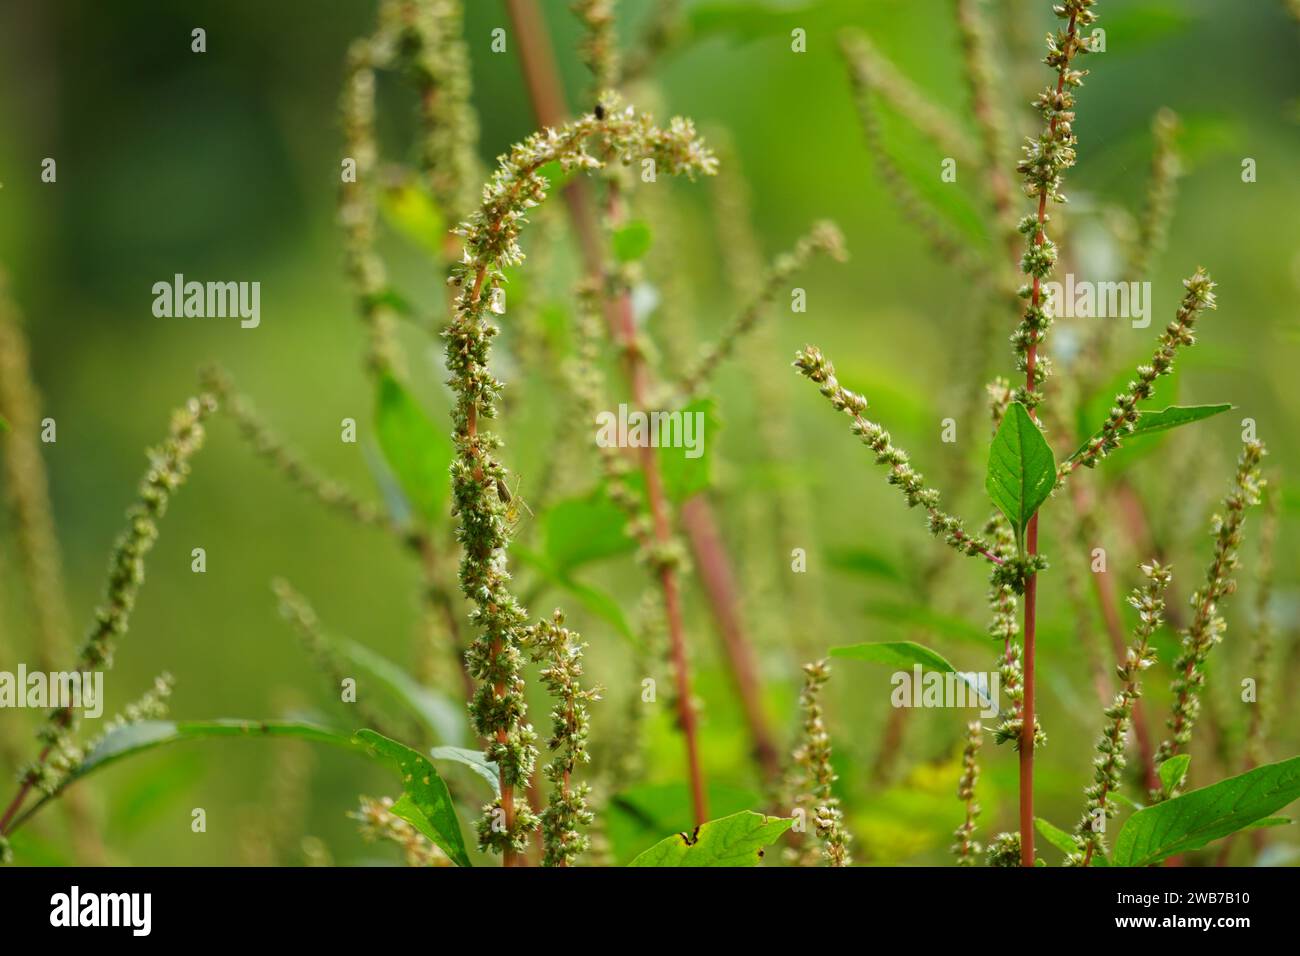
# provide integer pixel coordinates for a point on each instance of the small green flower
(559, 650)
(1208, 625)
(1149, 601)
(817, 368)
(966, 849)
(811, 778)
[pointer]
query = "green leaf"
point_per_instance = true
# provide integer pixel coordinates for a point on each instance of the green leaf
(445, 719)
(1172, 772)
(4, 424)
(1057, 837)
(1021, 470)
(1149, 423)
(131, 739)
(1190, 821)
(895, 654)
(684, 476)
(426, 803)
(1173, 416)
(580, 530)
(632, 241)
(474, 759)
(1121, 797)
(907, 654)
(1271, 822)
(418, 453)
(737, 840)
(637, 818)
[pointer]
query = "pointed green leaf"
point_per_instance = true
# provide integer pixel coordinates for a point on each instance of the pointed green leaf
(737, 840)
(1122, 797)
(895, 654)
(1172, 772)
(908, 654)
(1056, 836)
(418, 452)
(1149, 423)
(1198, 817)
(1021, 470)
(128, 740)
(427, 804)
(474, 759)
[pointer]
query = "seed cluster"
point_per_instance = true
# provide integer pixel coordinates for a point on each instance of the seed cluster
(812, 778)
(559, 650)
(376, 821)
(1149, 601)
(491, 240)
(1046, 159)
(1208, 626)
(813, 365)
(967, 849)
(1181, 332)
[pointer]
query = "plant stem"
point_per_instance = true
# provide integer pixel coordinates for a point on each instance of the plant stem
(1027, 720)
(21, 795)
(638, 378)
(542, 80)
(1028, 725)
(716, 574)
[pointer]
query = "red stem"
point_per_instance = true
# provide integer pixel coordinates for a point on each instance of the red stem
(16, 804)
(716, 575)
(1031, 547)
(542, 80)
(1027, 717)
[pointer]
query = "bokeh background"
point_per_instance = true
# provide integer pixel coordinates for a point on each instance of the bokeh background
(224, 165)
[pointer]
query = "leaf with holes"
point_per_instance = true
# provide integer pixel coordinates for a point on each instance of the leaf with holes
(737, 840)
(426, 804)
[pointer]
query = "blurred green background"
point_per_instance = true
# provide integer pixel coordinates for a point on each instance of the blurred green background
(224, 165)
